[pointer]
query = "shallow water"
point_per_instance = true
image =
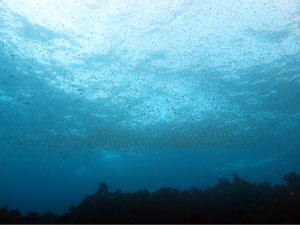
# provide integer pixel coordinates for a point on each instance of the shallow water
(144, 95)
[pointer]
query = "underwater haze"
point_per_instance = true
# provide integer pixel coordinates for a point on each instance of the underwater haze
(144, 94)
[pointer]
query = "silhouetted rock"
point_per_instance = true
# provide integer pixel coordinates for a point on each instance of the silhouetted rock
(103, 188)
(293, 182)
(31, 218)
(239, 201)
(48, 217)
(13, 216)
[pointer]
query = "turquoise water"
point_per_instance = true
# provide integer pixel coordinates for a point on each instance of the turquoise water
(144, 94)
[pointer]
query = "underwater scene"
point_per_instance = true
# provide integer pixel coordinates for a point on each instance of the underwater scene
(152, 111)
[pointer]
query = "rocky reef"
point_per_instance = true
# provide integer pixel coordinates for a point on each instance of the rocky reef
(238, 201)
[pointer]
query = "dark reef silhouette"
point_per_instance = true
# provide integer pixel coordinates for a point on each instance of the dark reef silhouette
(239, 201)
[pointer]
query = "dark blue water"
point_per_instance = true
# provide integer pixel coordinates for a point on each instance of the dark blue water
(144, 95)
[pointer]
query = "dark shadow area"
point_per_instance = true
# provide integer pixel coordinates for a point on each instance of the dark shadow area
(238, 201)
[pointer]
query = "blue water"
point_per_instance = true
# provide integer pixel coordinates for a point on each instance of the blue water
(144, 94)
